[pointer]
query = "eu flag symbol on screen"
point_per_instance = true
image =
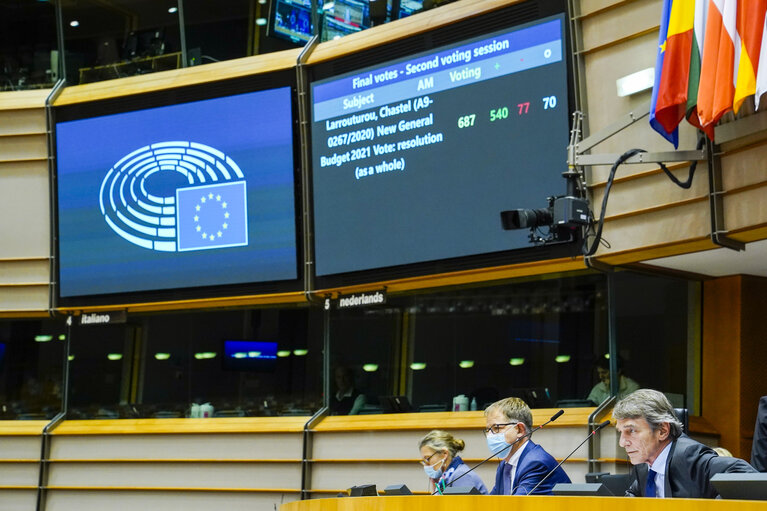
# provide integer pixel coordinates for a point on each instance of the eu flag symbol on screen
(212, 216)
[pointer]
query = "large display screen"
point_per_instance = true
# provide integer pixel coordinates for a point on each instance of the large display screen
(188, 195)
(414, 159)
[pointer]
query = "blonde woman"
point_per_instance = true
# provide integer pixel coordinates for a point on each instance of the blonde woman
(443, 466)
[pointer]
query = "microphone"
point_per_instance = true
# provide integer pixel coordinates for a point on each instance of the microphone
(594, 432)
(526, 435)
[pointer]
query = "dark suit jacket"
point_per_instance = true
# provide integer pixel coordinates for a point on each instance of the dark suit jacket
(759, 448)
(533, 465)
(689, 468)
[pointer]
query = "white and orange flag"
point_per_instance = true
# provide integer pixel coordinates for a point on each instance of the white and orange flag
(750, 27)
(761, 74)
(716, 91)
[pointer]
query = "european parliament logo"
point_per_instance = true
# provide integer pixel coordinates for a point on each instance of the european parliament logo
(209, 212)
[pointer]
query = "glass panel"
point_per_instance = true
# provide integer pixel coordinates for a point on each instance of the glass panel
(536, 340)
(217, 31)
(106, 40)
(241, 363)
(31, 361)
(652, 333)
(364, 360)
(28, 56)
(101, 358)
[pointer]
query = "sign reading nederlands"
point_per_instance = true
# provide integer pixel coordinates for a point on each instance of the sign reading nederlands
(360, 299)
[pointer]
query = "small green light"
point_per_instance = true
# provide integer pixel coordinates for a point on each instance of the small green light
(43, 338)
(283, 353)
(162, 356)
(370, 368)
(607, 356)
(254, 354)
(239, 355)
(300, 353)
(115, 356)
(204, 355)
(417, 366)
(71, 358)
(561, 359)
(466, 364)
(62, 337)
(517, 361)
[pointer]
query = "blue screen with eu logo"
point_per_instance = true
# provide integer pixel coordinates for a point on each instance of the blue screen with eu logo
(189, 195)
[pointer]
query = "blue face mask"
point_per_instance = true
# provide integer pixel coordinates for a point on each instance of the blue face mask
(432, 473)
(497, 442)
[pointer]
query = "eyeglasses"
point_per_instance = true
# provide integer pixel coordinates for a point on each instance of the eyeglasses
(497, 428)
(425, 461)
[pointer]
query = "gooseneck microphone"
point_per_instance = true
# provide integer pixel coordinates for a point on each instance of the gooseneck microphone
(526, 435)
(594, 432)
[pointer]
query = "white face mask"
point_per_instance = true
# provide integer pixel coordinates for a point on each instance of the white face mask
(496, 442)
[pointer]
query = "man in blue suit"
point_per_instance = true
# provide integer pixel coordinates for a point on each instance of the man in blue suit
(525, 464)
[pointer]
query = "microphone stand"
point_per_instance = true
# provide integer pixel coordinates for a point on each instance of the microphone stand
(605, 423)
(527, 435)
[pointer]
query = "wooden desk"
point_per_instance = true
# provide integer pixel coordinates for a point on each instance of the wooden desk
(500, 503)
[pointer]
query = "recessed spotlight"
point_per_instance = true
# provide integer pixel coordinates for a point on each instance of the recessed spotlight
(74, 23)
(115, 356)
(466, 364)
(43, 338)
(162, 356)
(561, 359)
(417, 366)
(516, 361)
(370, 368)
(173, 10)
(283, 353)
(300, 353)
(260, 22)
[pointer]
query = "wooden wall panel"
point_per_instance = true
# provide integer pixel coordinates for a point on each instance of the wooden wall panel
(23, 147)
(177, 447)
(84, 500)
(25, 271)
(619, 23)
(720, 391)
(18, 500)
(23, 121)
(158, 474)
(753, 354)
(25, 216)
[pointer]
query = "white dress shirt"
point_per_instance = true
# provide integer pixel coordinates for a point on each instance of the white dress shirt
(513, 461)
(659, 466)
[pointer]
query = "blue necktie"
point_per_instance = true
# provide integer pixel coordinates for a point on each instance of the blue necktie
(506, 479)
(650, 488)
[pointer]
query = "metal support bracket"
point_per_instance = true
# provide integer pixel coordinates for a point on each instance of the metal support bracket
(716, 200)
(577, 158)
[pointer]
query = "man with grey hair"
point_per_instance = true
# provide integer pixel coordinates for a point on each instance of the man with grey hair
(667, 463)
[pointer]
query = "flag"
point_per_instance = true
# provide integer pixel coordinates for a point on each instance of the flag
(761, 74)
(750, 27)
(212, 216)
(699, 29)
(673, 134)
(671, 102)
(717, 89)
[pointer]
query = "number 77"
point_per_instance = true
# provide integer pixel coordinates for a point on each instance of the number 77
(523, 107)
